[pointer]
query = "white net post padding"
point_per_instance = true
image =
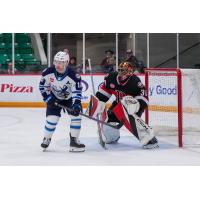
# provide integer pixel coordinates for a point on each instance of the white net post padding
(191, 106)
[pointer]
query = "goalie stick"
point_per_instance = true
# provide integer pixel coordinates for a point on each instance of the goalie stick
(100, 135)
(94, 119)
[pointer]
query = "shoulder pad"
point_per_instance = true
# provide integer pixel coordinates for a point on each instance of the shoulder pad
(111, 74)
(48, 70)
(73, 75)
(139, 82)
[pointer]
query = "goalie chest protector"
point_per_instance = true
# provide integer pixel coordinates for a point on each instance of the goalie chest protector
(131, 86)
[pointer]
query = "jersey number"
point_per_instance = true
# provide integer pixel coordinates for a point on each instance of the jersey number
(120, 95)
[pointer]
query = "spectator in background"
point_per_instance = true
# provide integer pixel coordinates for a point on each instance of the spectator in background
(66, 51)
(111, 65)
(79, 68)
(134, 61)
(72, 62)
(10, 71)
(108, 62)
(131, 58)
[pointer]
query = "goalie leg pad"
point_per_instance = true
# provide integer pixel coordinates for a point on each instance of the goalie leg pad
(145, 134)
(134, 124)
(95, 106)
(111, 135)
(129, 121)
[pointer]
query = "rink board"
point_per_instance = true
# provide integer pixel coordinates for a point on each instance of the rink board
(23, 91)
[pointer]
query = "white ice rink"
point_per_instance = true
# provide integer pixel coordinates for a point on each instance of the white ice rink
(21, 135)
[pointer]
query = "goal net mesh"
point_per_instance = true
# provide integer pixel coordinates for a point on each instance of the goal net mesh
(163, 104)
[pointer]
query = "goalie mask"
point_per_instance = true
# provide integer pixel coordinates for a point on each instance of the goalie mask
(125, 70)
(61, 60)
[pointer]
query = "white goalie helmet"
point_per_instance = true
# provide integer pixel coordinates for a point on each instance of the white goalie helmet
(61, 60)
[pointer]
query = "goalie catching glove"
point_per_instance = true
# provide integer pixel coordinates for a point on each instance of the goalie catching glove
(131, 104)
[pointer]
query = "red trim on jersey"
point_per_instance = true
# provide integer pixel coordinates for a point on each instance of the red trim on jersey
(118, 81)
(108, 91)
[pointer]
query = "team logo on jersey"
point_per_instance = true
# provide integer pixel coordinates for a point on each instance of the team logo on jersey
(112, 85)
(100, 85)
(51, 79)
(84, 85)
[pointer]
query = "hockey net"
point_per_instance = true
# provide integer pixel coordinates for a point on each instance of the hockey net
(174, 104)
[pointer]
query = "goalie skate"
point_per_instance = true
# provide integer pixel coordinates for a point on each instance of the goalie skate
(152, 144)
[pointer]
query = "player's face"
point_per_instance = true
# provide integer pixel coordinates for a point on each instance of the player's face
(122, 71)
(60, 67)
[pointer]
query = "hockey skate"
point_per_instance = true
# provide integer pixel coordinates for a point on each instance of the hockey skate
(45, 143)
(152, 144)
(75, 145)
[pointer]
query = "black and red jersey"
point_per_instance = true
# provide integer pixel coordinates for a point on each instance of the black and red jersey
(131, 86)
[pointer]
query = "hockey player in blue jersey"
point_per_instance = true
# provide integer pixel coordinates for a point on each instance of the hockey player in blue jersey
(62, 84)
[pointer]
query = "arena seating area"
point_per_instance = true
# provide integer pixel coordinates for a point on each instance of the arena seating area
(24, 53)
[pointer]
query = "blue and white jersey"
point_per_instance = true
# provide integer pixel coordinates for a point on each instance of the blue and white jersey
(64, 87)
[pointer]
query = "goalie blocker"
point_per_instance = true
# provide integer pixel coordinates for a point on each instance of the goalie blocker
(123, 111)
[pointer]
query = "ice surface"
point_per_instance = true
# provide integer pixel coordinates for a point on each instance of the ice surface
(21, 135)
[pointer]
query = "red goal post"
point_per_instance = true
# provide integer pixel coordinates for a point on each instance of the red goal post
(153, 77)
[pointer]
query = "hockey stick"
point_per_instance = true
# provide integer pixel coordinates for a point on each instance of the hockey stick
(94, 119)
(102, 143)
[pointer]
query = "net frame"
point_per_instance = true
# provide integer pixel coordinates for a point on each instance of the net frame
(173, 72)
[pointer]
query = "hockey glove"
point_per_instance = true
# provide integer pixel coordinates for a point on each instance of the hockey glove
(50, 100)
(76, 109)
